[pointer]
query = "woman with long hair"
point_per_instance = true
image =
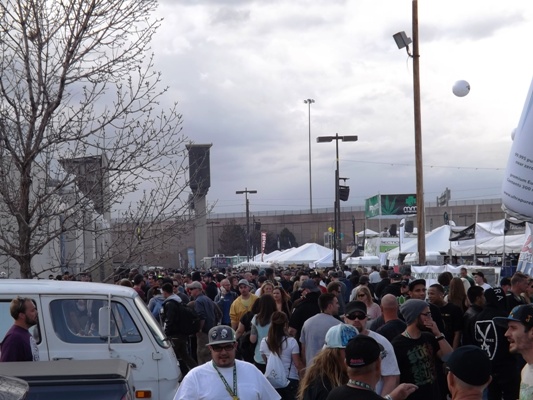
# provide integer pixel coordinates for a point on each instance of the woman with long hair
(279, 342)
(267, 287)
(282, 298)
(326, 372)
(362, 293)
(260, 325)
(457, 294)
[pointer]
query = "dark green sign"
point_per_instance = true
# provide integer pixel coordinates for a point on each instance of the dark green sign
(390, 204)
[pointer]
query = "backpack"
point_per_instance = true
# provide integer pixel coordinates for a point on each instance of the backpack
(275, 372)
(189, 320)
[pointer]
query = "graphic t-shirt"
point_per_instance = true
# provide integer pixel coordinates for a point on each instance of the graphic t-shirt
(416, 360)
(526, 386)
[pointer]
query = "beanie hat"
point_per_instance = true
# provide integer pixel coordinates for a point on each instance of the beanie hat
(411, 309)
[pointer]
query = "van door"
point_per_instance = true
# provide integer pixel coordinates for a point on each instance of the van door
(74, 321)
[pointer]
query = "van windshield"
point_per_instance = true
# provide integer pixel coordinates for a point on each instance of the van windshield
(151, 322)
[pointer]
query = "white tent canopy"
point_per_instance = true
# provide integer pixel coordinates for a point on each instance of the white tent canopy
(327, 261)
(490, 239)
(368, 233)
(305, 254)
(436, 241)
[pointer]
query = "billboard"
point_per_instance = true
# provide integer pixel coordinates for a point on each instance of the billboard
(389, 205)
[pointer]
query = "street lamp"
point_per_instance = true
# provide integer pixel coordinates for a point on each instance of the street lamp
(213, 234)
(245, 192)
(403, 41)
(337, 207)
(309, 102)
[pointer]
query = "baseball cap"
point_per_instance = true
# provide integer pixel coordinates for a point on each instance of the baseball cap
(396, 276)
(361, 351)
(244, 282)
(470, 364)
(221, 334)
(412, 284)
(311, 285)
(339, 335)
(522, 313)
(354, 306)
(209, 275)
(194, 285)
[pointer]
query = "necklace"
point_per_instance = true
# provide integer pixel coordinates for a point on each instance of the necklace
(360, 384)
(232, 393)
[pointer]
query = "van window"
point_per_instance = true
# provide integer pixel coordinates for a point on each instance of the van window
(6, 322)
(76, 321)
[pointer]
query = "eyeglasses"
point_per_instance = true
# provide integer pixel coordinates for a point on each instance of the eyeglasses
(426, 314)
(355, 316)
(217, 348)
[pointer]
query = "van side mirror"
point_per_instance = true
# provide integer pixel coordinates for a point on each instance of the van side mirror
(104, 323)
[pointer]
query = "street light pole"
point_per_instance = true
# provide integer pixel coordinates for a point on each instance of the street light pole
(337, 208)
(245, 192)
(309, 102)
(403, 41)
(420, 212)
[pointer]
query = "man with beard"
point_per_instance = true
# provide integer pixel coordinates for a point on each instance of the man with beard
(417, 350)
(224, 375)
(356, 315)
(19, 344)
(520, 337)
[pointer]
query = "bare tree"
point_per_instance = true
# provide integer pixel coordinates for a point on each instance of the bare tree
(81, 130)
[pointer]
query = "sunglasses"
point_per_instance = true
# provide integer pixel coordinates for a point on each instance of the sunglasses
(217, 348)
(355, 316)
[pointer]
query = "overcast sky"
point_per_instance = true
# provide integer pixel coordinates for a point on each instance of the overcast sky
(241, 69)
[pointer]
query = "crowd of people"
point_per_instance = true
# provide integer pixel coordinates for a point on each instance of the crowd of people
(338, 333)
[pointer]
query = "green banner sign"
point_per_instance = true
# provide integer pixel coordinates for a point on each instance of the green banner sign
(390, 205)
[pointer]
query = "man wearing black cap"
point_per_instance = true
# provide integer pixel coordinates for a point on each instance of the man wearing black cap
(356, 315)
(417, 290)
(224, 374)
(468, 373)
(363, 359)
(520, 337)
(479, 278)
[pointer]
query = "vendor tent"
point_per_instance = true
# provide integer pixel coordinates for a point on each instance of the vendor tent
(305, 254)
(327, 261)
(436, 241)
(368, 233)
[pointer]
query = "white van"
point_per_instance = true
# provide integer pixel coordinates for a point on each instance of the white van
(91, 321)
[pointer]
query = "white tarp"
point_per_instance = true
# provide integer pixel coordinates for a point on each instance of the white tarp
(327, 261)
(305, 254)
(431, 272)
(490, 239)
(436, 241)
(368, 233)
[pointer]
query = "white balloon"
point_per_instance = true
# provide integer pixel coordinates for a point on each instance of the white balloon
(461, 88)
